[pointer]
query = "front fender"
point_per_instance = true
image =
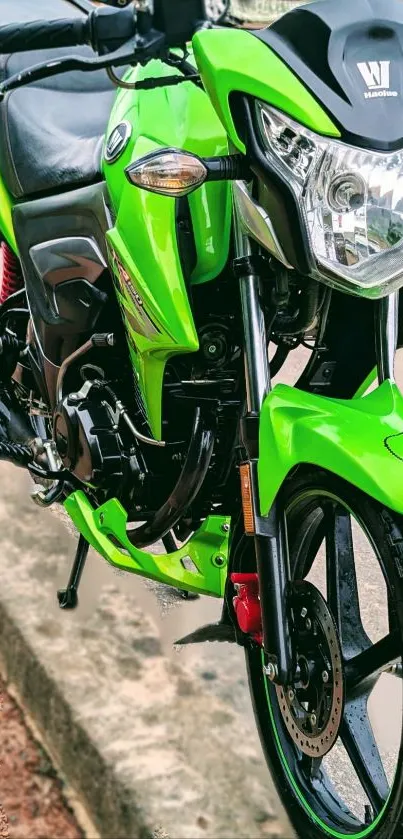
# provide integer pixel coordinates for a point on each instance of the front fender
(360, 440)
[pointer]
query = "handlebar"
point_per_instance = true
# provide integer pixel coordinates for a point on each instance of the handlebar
(105, 30)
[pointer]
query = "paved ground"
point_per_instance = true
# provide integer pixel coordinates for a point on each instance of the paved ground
(143, 740)
(218, 669)
(260, 10)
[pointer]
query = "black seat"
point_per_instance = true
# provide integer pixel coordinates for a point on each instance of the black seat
(51, 132)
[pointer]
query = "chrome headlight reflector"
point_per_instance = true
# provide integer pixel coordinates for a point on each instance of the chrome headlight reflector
(351, 200)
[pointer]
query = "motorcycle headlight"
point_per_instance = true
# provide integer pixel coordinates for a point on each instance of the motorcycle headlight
(352, 202)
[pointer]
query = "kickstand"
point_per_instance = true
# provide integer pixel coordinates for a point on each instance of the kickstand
(67, 597)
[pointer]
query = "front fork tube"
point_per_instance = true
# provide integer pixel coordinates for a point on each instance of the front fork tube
(269, 532)
(273, 570)
(386, 336)
(386, 341)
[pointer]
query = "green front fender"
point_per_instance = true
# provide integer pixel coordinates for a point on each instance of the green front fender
(360, 440)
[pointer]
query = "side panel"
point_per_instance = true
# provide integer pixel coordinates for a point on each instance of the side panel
(6, 222)
(234, 60)
(360, 440)
(61, 242)
(143, 243)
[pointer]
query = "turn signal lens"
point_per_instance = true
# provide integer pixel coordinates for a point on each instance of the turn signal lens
(247, 500)
(168, 172)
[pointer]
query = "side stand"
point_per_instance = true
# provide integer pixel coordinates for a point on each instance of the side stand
(68, 598)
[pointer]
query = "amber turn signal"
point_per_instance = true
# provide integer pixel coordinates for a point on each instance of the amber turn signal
(170, 172)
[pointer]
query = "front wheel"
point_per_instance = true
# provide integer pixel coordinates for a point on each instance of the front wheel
(333, 739)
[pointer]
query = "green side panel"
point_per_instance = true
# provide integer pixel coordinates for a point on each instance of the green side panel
(235, 60)
(142, 242)
(6, 221)
(360, 440)
(152, 292)
(199, 566)
(368, 381)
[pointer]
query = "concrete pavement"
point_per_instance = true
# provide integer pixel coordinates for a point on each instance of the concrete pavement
(148, 749)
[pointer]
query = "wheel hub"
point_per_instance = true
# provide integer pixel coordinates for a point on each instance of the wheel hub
(312, 707)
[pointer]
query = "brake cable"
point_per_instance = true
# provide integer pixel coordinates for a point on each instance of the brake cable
(120, 58)
(179, 62)
(152, 83)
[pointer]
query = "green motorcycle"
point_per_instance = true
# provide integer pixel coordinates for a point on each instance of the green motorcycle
(247, 191)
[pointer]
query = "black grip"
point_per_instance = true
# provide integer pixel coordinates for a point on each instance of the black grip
(43, 34)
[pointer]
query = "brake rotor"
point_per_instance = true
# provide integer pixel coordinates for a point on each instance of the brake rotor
(312, 708)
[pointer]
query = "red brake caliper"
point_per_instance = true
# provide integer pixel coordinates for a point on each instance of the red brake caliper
(10, 273)
(247, 605)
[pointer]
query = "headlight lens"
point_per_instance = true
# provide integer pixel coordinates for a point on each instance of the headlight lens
(352, 201)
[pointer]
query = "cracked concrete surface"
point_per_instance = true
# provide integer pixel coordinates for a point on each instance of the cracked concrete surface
(260, 10)
(153, 745)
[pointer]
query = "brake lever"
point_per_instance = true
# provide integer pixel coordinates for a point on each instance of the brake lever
(139, 50)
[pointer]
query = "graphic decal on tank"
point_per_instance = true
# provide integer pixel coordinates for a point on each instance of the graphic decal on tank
(131, 302)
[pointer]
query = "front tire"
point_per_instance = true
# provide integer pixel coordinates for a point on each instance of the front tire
(319, 509)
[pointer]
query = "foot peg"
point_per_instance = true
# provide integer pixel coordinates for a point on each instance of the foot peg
(68, 597)
(210, 632)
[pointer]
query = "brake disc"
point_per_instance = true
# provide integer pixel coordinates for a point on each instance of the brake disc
(312, 708)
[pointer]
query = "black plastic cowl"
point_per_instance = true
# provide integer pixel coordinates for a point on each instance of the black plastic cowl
(349, 55)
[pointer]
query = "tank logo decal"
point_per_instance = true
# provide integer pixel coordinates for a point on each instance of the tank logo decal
(376, 75)
(117, 141)
(133, 310)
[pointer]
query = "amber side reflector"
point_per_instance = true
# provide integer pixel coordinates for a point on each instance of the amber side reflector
(247, 502)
